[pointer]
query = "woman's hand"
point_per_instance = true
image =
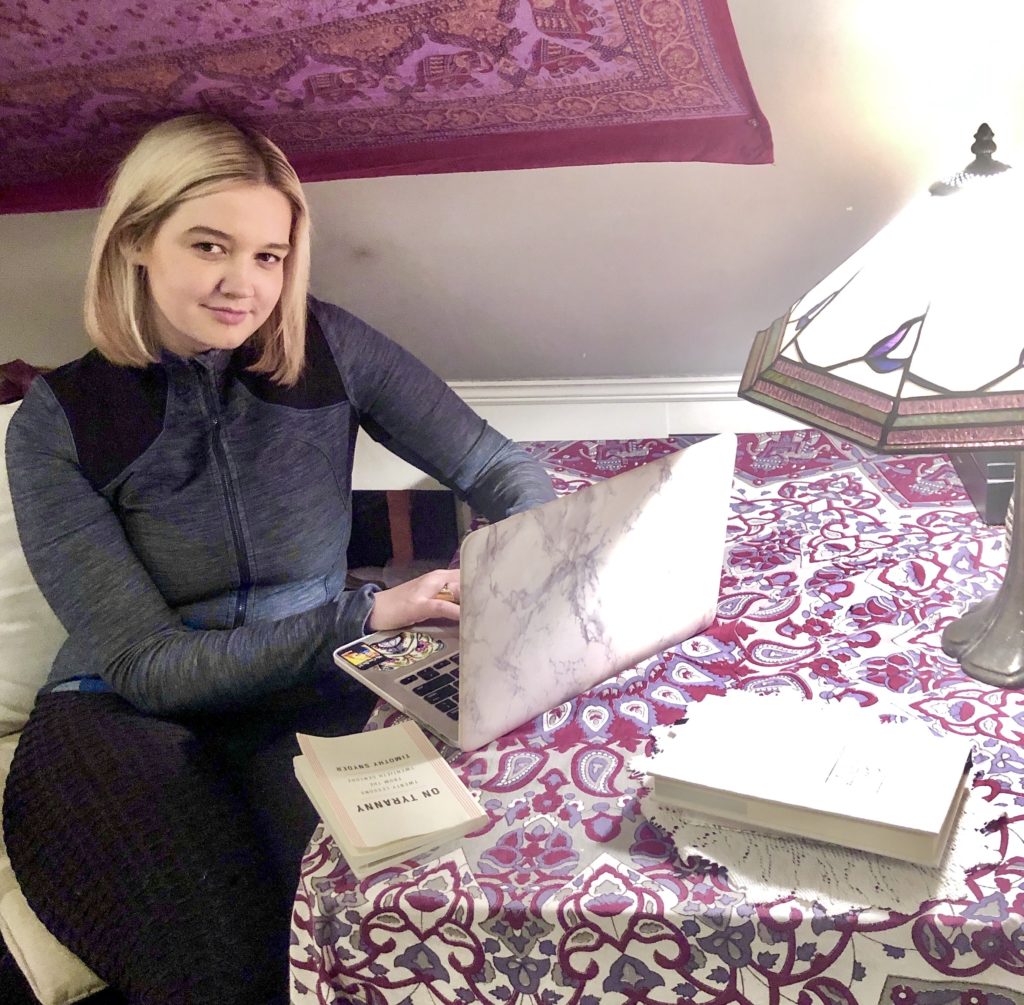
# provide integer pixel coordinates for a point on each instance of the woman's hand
(434, 595)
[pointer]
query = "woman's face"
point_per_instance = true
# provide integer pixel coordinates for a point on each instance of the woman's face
(215, 267)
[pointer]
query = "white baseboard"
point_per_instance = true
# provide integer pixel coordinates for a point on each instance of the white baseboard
(611, 408)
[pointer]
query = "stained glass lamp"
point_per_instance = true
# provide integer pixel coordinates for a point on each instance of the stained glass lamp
(915, 344)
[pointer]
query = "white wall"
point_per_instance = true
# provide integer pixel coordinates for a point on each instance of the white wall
(632, 270)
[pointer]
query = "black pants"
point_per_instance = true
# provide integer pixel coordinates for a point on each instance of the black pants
(165, 854)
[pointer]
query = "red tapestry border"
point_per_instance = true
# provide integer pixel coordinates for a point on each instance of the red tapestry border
(450, 85)
(718, 141)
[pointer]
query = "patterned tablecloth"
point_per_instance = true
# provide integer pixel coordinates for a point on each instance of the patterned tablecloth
(841, 569)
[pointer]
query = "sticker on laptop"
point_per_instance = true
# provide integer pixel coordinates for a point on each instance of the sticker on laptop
(392, 653)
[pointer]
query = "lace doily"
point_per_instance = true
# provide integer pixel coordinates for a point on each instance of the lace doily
(769, 867)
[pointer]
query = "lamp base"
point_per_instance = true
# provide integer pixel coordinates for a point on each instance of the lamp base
(989, 639)
(987, 477)
(989, 644)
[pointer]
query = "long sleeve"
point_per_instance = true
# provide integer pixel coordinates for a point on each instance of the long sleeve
(120, 626)
(403, 405)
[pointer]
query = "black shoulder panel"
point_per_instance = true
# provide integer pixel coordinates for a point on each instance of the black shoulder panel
(318, 385)
(115, 412)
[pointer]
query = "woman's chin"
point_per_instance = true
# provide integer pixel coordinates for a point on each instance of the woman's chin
(223, 337)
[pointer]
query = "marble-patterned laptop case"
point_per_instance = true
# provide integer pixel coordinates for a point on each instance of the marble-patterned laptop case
(559, 598)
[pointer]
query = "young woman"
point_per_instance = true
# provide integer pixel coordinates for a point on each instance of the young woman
(183, 497)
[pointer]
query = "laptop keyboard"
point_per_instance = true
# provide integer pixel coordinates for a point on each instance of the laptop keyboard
(438, 684)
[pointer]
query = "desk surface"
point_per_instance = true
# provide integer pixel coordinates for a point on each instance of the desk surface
(841, 569)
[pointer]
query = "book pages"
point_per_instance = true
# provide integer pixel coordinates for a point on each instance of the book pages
(774, 867)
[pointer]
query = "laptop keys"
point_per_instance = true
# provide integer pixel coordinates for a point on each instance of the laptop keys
(443, 693)
(431, 685)
(438, 685)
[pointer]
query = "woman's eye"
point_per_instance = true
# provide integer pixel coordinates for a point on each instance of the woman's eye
(207, 247)
(268, 258)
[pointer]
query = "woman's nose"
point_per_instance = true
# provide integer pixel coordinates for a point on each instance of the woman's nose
(237, 280)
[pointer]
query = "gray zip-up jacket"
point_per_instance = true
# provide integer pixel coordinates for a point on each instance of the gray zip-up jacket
(188, 522)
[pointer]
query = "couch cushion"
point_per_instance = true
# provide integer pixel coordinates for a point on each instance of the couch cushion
(30, 636)
(30, 633)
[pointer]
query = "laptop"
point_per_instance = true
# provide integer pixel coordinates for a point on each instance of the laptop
(562, 597)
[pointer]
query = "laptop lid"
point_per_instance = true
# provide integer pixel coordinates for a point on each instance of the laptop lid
(564, 596)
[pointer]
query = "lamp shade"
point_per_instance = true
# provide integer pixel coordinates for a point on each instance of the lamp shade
(916, 342)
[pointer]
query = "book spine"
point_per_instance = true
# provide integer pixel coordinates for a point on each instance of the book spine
(343, 817)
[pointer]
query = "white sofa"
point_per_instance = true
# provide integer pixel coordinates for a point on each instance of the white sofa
(30, 635)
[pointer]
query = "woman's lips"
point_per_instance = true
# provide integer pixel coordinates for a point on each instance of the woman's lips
(227, 315)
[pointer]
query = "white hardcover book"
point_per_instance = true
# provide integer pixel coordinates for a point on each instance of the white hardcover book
(817, 770)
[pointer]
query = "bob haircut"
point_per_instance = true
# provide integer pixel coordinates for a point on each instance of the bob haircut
(180, 159)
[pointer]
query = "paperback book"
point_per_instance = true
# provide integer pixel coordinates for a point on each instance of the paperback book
(817, 770)
(385, 795)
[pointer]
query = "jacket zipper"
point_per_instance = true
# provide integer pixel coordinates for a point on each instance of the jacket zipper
(230, 499)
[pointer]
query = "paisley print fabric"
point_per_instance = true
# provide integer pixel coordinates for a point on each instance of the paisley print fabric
(841, 569)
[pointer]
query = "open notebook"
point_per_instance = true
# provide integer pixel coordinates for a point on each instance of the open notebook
(562, 597)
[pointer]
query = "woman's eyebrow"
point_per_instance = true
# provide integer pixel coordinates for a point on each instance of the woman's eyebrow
(221, 236)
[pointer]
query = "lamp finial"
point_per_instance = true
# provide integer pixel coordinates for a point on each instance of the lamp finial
(983, 148)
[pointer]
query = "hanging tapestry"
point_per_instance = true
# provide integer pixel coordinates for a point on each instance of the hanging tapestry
(358, 88)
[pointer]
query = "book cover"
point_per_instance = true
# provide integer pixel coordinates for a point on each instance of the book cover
(817, 770)
(385, 793)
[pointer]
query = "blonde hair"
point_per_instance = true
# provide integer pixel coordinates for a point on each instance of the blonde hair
(183, 158)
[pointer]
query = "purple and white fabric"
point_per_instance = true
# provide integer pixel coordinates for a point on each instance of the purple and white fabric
(841, 569)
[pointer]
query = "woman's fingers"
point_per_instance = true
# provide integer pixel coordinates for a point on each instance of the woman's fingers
(450, 589)
(433, 595)
(445, 609)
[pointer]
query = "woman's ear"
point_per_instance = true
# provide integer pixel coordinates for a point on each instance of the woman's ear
(133, 251)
